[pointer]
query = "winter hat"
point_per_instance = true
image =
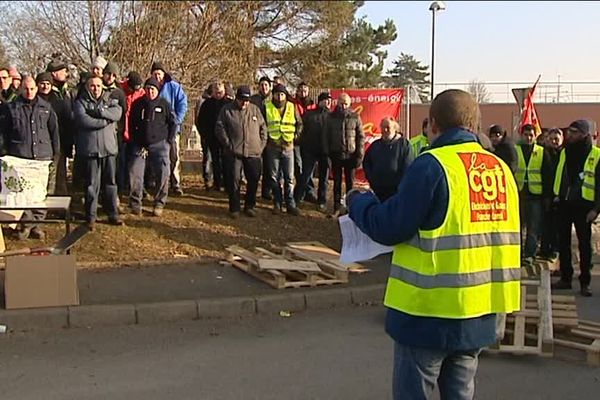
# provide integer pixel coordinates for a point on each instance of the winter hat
(158, 65)
(12, 71)
(496, 129)
(84, 76)
(134, 79)
(264, 79)
(152, 81)
(279, 88)
(324, 96)
(243, 93)
(43, 77)
(584, 126)
(55, 65)
(111, 68)
(99, 62)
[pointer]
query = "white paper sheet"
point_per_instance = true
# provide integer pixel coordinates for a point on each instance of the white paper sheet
(356, 246)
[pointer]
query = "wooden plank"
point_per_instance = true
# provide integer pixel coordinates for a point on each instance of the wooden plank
(319, 250)
(275, 281)
(337, 271)
(519, 335)
(586, 334)
(556, 298)
(270, 264)
(589, 323)
(546, 329)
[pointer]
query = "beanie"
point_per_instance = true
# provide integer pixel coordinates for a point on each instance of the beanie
(279, 88)
(324, 96)
(158, 65)
(43, 77)
(152, 81)
(111, 68)
(134, 79)
(584, 126)
(99, 62)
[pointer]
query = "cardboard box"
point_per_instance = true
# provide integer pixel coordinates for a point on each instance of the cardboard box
(40, 281)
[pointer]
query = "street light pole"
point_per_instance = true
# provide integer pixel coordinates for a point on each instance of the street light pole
(434, 7)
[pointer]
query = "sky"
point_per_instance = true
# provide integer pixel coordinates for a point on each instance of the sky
(497, 41)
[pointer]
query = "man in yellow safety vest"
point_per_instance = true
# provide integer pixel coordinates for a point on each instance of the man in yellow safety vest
(420, 142)
(284, 124)
(534, 178)
(577, 191)
(454, 222)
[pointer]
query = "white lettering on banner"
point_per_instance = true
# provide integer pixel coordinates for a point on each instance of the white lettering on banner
(378, 98)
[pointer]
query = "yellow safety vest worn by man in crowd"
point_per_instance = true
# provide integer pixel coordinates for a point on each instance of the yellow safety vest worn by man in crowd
(281, 128)
(589, 174)
(419, 143)
(532, 172)
(469, 266)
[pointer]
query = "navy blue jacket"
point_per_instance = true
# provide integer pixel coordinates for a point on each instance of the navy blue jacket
(421, 203)
(385, 164)
(30, 129)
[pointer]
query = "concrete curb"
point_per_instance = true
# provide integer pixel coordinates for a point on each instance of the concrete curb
(87, 316)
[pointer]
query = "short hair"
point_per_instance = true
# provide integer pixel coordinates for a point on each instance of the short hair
(555, 130)
(392, 122)
(425, 123)
(527, 127)
(455, 108)
(344, 96)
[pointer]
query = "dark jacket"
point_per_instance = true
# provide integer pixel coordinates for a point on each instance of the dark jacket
(8, 95)
(207, 116)
(115, 92)
(344, 136)
(96, 125)
(259, 101)
(313, 131)
(30, 129)
(421, 203)
(64, 112)
(385, 164)
(151, 121)
(507, 152)
(570, 185)
(241, 132)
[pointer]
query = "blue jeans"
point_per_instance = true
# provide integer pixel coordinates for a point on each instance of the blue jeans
(284, 159)
(303, 186)
(531, 222)
(416, 371)
(159, 161)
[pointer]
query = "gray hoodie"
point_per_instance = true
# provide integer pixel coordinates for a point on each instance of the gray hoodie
(96, 125)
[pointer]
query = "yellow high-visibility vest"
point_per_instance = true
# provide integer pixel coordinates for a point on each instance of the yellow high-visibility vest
(281, 128)
(470, 265)
(533, 169)
(418, 143)
(588, 191)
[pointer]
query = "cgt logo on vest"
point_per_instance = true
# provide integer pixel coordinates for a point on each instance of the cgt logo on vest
(487, 187)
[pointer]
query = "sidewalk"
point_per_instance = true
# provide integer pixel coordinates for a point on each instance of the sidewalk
(186, 291)
(132, 295)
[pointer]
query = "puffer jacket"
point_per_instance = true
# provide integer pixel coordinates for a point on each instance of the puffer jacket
(172, 91)
(344, 137)
(96, 125)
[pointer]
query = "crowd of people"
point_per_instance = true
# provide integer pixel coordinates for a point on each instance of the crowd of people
(123, 136)
(108, 127)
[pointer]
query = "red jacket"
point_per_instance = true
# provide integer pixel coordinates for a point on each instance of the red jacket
(304, 106)
(130, 97)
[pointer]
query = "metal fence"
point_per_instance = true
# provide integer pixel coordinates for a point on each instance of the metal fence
(546, 92)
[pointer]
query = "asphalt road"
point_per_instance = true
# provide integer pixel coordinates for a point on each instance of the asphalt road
(341, 354)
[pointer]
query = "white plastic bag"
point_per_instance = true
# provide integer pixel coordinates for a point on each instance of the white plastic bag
(23, 178)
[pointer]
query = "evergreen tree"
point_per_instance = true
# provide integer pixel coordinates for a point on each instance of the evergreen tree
(408, 70)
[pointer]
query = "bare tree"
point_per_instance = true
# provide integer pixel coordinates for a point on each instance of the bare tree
(479, 91)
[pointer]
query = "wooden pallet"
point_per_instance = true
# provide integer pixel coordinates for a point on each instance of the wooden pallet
(530, 330)
(584, 337)
(250, 263)
(564, 310)
(318, 251)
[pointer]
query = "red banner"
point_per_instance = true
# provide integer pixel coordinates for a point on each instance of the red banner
(372, 105)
